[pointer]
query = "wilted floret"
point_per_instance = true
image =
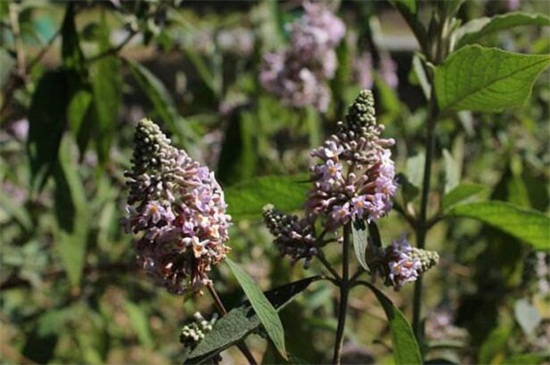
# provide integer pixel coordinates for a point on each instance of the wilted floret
(355, 176)
(177, 210)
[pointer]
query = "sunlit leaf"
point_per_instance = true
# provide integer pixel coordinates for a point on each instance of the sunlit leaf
(263, 308)
(360, 235)
(246, 200)
(461, 193)
(405, 347)
(527, 316)
(526, 225)
(486, 79)
(475, 29)
(241, 321)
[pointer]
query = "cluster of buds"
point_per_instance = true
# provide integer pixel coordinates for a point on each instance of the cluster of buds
(355, 178)
(297, 75)
(293, 236)
(176, 209)
(400, 263)
(192, 333)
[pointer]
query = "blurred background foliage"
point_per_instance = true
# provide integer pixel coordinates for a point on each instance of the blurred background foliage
(77, 76)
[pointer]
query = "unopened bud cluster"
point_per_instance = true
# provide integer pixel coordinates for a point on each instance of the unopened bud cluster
(176, 209)
(293, 236)
(192, 333)
(297, 75)
(354, 179)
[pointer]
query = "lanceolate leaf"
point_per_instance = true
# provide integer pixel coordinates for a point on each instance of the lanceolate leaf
(360, 235)
(476, 29)
(241, 321)
(405, 347)
(460, 193)
(157, 93)
(246, 200)
(263, 308)
(527, 225)
(486, 79)
(533, 358)
(47, 120)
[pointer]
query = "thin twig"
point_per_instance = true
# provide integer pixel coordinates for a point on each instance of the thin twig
(114, 50)
(328, 266)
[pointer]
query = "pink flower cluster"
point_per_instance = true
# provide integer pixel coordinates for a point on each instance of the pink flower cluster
(297, 75)
(403, 266)
(354, 179)
(177, 210)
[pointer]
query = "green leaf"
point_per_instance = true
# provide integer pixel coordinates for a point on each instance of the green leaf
(263, 308)
(140, 321)
(241, 321)
(486, 79)
(106, 78)
(15, 210)
(452, 171)
(78, 113)
(203, 70)
(47, 120)
(415, 169)
(526, 225)
(157, 93)
(494, 345)
(72, 55)
(472, 31)
(360, 235)
(405, 347)
(527, 316)
(246, 200)
(72, 213)
(534, 358)
(460, 193)
(407, 5)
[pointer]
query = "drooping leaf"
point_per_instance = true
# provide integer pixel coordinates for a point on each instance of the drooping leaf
(47, 120)
(405, 347)
(262, 307)
(486, 79)
(241, 321)
(461, 193)
(472, 31)
(157, 94)
(526, 225)
(72, 213)
(360, 235)
(106, 78)
(452, 172)
(246, 200)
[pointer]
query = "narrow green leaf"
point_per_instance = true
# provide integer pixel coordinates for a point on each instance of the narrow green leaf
(415, 169)
(70, 49)
(408, 5)
(472, 31)
(72, 212)
(157, 93)
(360, 235)
(526, 225)
(203, 70)
(47, 120)
(452, 171)
(140, 323)
(263, 308)
(106, 78)
(241, 321)
(461, 193)
(246, 200)
(405, 347)
(494, 345)
(534, 358)
(486, 79)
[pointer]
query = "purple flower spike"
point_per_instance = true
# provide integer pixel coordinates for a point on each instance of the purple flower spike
(176, 209)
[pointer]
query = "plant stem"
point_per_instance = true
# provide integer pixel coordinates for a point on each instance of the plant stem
(422, 227)
(222, 311)
(344, 291)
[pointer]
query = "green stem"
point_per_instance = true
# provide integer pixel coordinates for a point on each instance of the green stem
(421, 226)
(344, 292)
(222, 311)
